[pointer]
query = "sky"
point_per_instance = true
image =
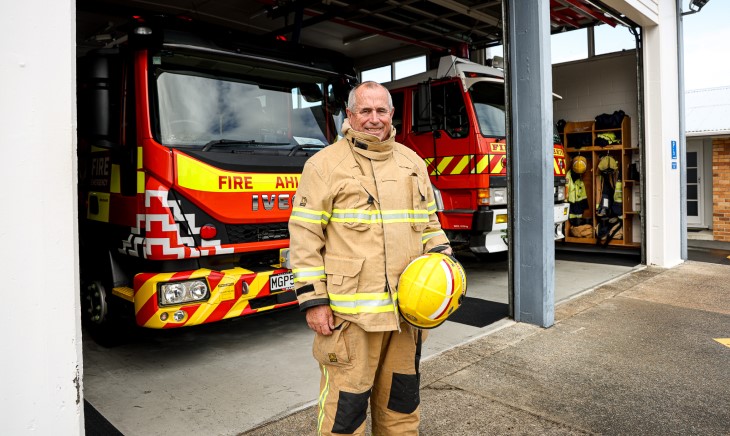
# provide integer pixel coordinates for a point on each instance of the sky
(706, 51)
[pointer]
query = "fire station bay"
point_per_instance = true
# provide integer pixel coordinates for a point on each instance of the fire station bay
(166, 150)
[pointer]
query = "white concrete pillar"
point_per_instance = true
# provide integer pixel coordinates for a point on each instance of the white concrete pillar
(41, 367)
(662, 147)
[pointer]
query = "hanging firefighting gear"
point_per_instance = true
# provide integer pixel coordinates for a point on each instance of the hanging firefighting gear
(577, 196)
(609, 208)
(349, 216)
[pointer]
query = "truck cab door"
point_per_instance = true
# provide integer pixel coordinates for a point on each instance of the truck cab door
(441, 132)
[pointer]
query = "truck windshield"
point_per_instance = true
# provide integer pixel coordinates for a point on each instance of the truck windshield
(245, 105)
(488, 100)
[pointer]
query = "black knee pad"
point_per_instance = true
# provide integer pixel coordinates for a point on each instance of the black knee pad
(352, 410)
(404, 393)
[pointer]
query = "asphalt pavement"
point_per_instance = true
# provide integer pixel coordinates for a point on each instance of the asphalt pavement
(645, 354)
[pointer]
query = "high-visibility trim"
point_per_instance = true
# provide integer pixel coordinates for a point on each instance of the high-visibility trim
(199, 176)
(379, 216)
(307, 274)
(431, 207)
(426, 236)
(482, 164)
(310, 216)
(497, 164)
(115, 182)
(463, 162)
(323, 398)
(406, 215)
(362, 303)
(443, 164)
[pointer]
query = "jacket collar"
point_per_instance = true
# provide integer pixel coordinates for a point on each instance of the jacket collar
(367, 145)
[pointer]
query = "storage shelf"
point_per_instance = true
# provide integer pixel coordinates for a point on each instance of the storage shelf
(579, 138)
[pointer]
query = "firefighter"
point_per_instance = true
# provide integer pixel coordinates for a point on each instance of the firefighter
(363, 210)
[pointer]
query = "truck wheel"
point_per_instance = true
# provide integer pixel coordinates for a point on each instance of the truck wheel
(99, 317)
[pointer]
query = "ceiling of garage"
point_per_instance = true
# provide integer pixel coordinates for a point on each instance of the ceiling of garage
(378, 29)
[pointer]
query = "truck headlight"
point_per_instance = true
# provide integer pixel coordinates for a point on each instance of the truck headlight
(497, 196)
(560, 193)
(174, 293)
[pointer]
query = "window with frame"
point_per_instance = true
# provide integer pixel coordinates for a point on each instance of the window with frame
(448, 109)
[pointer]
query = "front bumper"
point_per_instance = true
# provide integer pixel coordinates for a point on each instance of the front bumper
(233, 293)
(495, 240)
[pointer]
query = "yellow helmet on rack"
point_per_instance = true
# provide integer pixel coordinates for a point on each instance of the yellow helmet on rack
(430, 289)
(579, 165)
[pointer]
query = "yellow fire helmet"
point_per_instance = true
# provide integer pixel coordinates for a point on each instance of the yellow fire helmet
(579, 165)
(430, 289)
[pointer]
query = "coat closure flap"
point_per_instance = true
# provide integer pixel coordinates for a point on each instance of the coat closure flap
(342, 266)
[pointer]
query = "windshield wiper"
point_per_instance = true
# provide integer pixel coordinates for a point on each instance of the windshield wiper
(227, 142)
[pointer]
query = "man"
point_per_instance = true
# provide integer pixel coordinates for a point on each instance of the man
(363, 210)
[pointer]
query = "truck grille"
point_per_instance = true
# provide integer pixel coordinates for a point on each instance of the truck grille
(241, 233)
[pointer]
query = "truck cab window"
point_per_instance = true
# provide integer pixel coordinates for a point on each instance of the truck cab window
(456, 122)
(448, 109)
(488, 99)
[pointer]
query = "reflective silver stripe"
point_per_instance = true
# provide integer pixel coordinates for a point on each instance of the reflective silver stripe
(420, 216)
(353, 215)
(432, 207)
(310, 216)
(376, 216)
(303, 274)
(361, 303)
(426, 236)
(356, 303)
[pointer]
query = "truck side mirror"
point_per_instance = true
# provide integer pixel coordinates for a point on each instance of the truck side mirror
(424, 116)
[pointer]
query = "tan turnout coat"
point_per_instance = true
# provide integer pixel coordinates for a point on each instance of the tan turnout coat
(363, 210)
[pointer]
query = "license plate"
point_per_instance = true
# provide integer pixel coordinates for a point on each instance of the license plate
(281, 281)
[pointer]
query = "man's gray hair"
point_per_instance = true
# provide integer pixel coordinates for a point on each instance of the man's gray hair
(368, 84)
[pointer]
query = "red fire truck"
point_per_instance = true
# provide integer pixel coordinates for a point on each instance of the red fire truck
(454, 118)
(191, 142)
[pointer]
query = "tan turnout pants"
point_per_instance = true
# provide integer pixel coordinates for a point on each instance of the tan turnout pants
(358, 366)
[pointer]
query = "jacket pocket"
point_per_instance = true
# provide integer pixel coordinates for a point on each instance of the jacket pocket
(419, 203)
(361, 211)
(333, 350)
(343, 274)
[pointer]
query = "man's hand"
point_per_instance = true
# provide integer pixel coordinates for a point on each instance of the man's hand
(320, 319)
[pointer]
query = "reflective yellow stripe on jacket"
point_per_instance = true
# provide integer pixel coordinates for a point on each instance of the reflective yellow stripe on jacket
(431, 207)
(310, 216)
(379, 216)
(363, 302)
(306, 274)
(428, 235)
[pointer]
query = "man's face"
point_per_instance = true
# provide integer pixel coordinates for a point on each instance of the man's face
(372, 114)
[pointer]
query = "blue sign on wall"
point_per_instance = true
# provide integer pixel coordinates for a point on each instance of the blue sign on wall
(674, 150)
(674, 165)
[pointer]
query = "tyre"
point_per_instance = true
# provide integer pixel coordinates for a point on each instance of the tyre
(102, 316)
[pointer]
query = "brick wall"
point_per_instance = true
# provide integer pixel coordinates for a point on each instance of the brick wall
(721, 189)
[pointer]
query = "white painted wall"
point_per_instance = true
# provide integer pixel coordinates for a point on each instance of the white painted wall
(663, 227)
(41, 367)
(595, 86)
